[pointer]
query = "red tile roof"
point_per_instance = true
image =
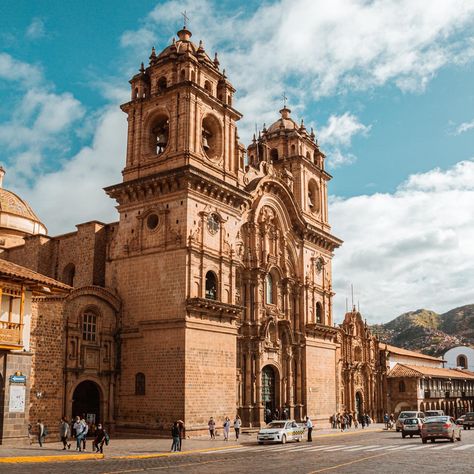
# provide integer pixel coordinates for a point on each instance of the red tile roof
(403, 370)
(406, 352)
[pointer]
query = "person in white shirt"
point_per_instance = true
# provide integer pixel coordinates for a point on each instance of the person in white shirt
(237, 425)
(309, 426)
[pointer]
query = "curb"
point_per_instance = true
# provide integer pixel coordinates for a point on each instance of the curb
(176, 453)
(57, 458)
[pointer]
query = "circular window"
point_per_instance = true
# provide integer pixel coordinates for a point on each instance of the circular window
(152, 221)
(213, 223)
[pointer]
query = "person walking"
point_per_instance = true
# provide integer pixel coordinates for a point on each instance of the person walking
(100, 438)
(84, 433)
(41, 432)
(175, 436)
(237, 425)
(226, 428)
(64, 433)
(212, 428)
(78, 428)
(309, 426)
(182, 433)
(362, 421)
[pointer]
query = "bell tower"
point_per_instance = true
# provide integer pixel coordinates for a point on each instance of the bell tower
(290, 148)
(181, 113)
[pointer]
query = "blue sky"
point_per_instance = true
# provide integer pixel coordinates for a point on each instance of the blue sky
(387, 85)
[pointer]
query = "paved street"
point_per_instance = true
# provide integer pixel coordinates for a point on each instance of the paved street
(375, 451)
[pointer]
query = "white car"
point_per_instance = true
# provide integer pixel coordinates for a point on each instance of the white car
(281, 431)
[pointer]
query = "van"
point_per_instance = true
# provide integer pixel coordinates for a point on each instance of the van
(407, 414)
(434, 413)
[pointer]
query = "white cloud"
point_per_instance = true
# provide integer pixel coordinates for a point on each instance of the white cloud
(409, 249)
(321, 48)
(36, 29)
(464, 127)
(21, 73)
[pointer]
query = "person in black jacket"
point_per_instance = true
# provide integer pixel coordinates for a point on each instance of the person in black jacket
(175, 436)
(100, 437)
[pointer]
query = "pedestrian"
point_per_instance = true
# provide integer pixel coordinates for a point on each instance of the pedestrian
(356, 423)
(362, 421)
(175, 436)
(367, 420)
(391, 421)
(237, 425)
(286, 414)
(342, 423)
(338, 420)
(226, 428)
(268, 415)
(101, 437)
(78, 428)
(41, 432)
(84, 433)
(386, 420)
(212, 427)
(349, 420)
(182, 433)
(277, 414)
(309, 426)
(64, 432)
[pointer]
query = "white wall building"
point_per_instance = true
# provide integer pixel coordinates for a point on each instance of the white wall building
(460, 357)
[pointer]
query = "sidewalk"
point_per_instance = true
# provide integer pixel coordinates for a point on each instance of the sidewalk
(133, 448)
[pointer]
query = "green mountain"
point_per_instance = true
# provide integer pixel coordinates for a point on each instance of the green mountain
(429, 332)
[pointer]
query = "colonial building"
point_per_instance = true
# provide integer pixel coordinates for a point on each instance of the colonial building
(460, 357)
(212, 294)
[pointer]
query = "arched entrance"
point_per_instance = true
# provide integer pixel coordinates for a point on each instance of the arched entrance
(359, 404)
(86, 401)
(268, 392)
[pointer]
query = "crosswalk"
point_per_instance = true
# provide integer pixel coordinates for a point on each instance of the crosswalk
(348, 448)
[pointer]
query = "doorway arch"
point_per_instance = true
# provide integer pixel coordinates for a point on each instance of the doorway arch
(86, 401)
(269, 391)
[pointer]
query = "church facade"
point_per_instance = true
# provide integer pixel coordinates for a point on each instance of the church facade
(212, 294)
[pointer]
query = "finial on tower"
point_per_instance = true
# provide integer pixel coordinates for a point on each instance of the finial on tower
(184, 34)
(2, 174)
(142, 68)
(216, 61)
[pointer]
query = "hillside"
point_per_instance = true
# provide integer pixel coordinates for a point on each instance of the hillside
(429, 332)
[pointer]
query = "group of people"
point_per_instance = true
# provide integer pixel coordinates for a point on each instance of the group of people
(389, 421)
(225, 427)
(275, 414)
(79, 429)
(178, 433)
(347, 420)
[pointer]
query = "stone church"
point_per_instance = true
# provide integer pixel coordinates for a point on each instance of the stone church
(212, 294)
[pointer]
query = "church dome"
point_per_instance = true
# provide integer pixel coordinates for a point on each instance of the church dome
(184, 45)
(17, 218)
(285, 122)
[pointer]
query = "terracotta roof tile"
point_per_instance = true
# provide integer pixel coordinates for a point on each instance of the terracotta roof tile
(403, 370)
(400, 351)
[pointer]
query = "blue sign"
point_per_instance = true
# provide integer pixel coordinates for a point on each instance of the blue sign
(18, 378)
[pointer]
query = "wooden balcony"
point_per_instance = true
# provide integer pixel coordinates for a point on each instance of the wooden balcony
(10, 335)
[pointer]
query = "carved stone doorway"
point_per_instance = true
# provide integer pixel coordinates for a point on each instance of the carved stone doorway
(86, 402)
(269, 401)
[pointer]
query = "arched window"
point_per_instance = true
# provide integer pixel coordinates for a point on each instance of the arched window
(358, 354)
(69, 273)
(461, 361)
(183, 74)
(313, 196)
(89, 326)
(293, 149)
(274, 154)
(159, 134)
(208, 87)
(319, 313)
(212, 137)
(401, 386)
(211, 286)
(162, 84)
(140, 384)
(269, 299)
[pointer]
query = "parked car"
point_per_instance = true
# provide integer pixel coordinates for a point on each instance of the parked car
(440, 427)
(434, 413)
(468, 422)
(460, 420)
(411, 426)
(281, 431)
(407, 414)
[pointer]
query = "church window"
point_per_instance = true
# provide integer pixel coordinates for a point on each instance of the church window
(319, 313)
(213, 223)
(159, 135)
(162, 84)
(461, 361)
(211, 137)
(208, 87)
(135, 93)
(401, 386)
(140, 384)
(152, 221)
(358, 354)
(293, 149)
(269, 297)
(229, 99)
(69, 273)
(89, 326)
(274, 154)
(313, 196)
(211, 286)
(183, 74)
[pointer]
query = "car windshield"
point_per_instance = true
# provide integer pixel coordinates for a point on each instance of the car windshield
(411, 421)
(408, 414)
(432, 413)
(276, 424)
(437, 419)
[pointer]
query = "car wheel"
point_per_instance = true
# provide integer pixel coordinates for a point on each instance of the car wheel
(398, 429)
(465, 427)
(298, 440)
(433, 440)
(403, 436)
(424, 440)
(283, 439)
(260, 442)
